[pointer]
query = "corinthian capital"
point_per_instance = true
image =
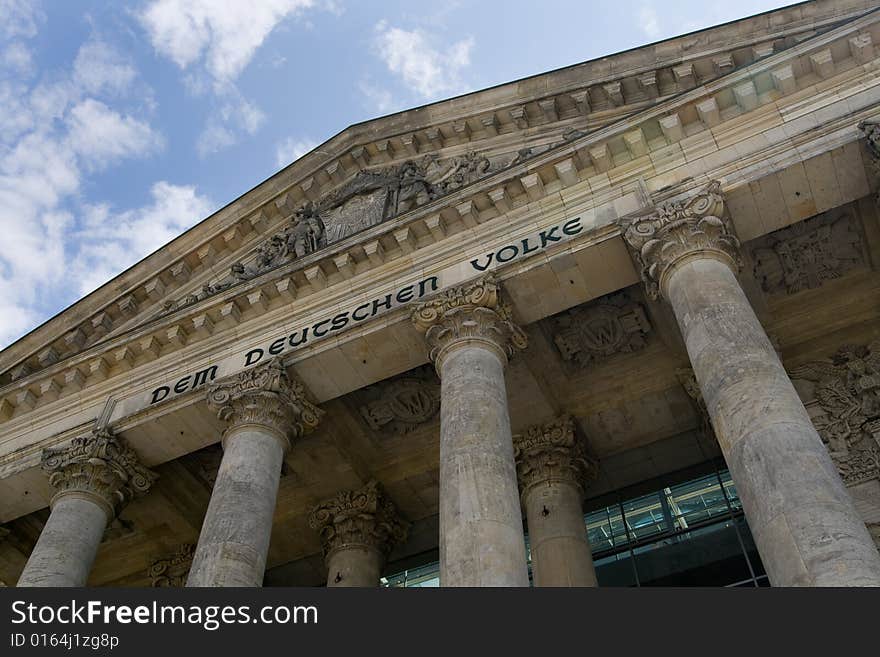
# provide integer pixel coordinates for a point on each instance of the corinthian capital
(678, 231)
(265, 395)
(360, 518)
(472, 312)
(552, 452)
(99, 466)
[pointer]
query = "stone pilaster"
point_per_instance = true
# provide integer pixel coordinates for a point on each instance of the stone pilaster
(266, 410)
(553, 468)
(94, 478)
(470, 334)
(805, 525)
(358, 531)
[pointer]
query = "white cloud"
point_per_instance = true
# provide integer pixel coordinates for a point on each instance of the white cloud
(20, 18)
(221, 34)
(236, 116)
(427, 70)
(100, 68)
(100, 135)
(378, 99)
(17, 58)
(291, 149)
(649, 22)
(213, 41)
(112, 241)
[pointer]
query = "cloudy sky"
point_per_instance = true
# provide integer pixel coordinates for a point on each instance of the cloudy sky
(123, 123)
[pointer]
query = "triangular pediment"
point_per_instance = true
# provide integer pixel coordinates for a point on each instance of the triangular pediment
(373, 174)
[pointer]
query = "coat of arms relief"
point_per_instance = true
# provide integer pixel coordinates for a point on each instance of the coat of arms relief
(846, 408)
(368, 199)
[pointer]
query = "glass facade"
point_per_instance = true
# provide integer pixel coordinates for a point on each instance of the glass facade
(684, 534)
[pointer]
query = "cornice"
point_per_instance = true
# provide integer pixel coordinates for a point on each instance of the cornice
(572, 95)
(500, 194)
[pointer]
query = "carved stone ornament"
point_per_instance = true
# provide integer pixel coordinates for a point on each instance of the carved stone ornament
(172, 570)
(553, 452)
(366, 200)
(874, 530)
(403, 403)
(678, 230)
(360, 518)
(593, 332)
(871, 130)
(265, 395)
(470, 312)
(99, 465)
(688, 381)
(847, 388)
(805, 255)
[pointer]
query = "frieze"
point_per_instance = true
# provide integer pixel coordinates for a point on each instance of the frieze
(847, 390)
(805, 255)
(596, 331)
(403, 403)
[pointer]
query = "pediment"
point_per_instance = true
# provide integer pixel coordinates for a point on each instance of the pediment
(374, 173)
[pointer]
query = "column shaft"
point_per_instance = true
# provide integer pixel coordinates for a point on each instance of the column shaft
(481, 533)
(66, 549)
(805, 525)
(234, 540)
(353, 566)
(557, 536)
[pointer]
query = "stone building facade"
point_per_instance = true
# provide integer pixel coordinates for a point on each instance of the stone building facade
(459, 326)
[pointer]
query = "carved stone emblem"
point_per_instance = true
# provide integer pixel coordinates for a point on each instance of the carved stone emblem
(805, 255)
(267, 396)
(593, 332)
(402, 404)
(473, 311)
(365, 517)
(552, 452)
(679, 230)
(100, 465)
(172, 570)
(847, 390)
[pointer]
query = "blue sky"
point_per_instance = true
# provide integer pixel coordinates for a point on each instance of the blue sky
(124, 123)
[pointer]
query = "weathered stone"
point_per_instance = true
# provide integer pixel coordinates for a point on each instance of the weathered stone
(171, 571)
(265, 409)
(470, 334)
(358, 530)
(553, 467)
(805, 525)
(94, 477)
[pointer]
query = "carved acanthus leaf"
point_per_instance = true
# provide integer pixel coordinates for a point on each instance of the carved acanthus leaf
(593, 332)
(365, 517)
(100, 465)
(677, 230)
(553, 452)
(473, 311)
(847, 388)
(805, 255)
(266, 395)
(172, 570)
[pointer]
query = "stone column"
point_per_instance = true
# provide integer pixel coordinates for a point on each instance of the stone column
(95, 477)
(266, 410)
(358, 530)
(805, 525)
(471, 335)
(553, 467)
